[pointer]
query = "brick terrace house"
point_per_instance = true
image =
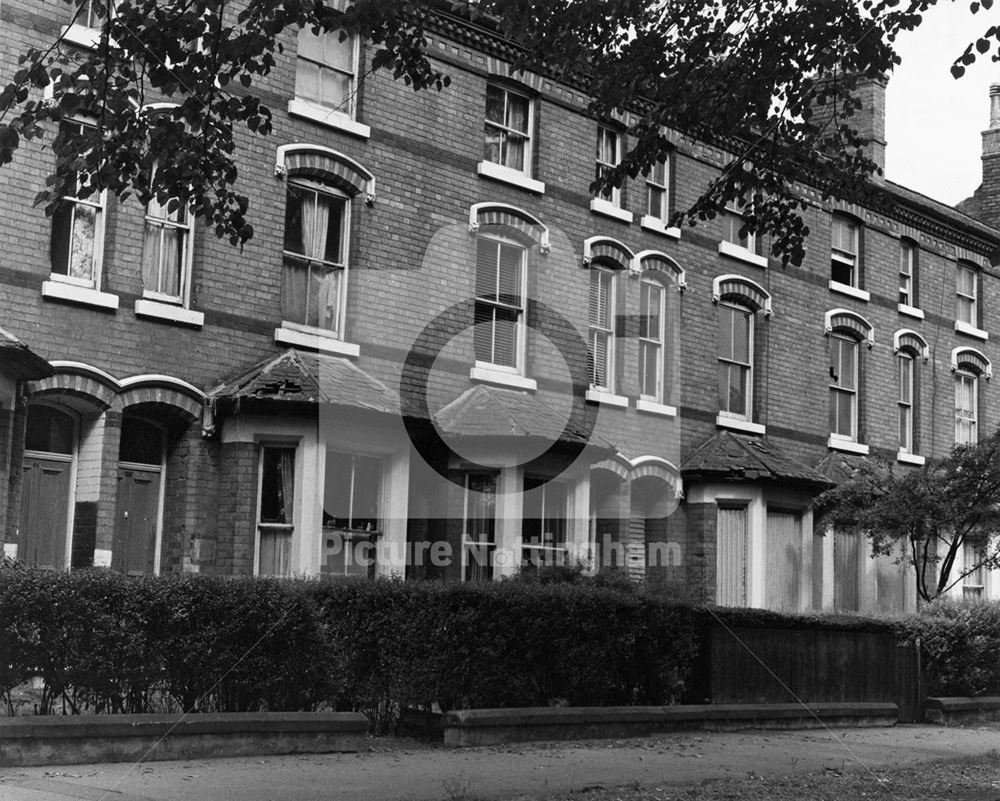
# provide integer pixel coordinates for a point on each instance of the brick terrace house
(438, 338)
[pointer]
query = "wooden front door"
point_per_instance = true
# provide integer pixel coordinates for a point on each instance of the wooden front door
(45, 497)
(136, 521)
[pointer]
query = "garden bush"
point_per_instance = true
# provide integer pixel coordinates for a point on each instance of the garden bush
(960, 647)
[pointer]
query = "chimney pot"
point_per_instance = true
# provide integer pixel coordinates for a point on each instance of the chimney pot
(995, 105)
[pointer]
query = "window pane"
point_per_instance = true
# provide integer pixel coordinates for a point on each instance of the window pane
(481, 520)
(495, 104)
(367, 493)
(509, 276)
(48, 430)
(505, 338)
(649, 356)
(338, 53)
(655, 202)
(493, 141)
(905, 379)
(842, 272)
(329, 227)
(310, 44)
(277, 485)
(335, 90)
(515, 158)
(140, 442)
(81, 263)
(904, 428)
(848, 359)
(725, 343)
(294, 290)
(62, 226)
(324, 297)
(741, 336)
(517, 113)
(296, 207)
(337, 490)
(845, 413)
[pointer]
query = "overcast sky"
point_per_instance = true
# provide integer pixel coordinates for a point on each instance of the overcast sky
(934, 122)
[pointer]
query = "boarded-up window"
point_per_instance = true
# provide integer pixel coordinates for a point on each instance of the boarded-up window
(846, 589)
(784, 560)
(731, 557)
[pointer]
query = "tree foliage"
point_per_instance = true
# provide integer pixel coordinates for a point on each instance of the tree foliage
(930, 513)
(770, 81)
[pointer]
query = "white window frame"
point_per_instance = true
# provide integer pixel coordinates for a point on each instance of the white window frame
(853, 393)
(658, 342)
(971, 301)
(186, 234)
(542, 548)
(963, 377)
(345, 247)
(352, 42)
(596, 331)
(601, 167)
(849, 258)
(659, 186)
(974, 581)
(732, 221)
(467, 542)
(98, 202)
(288, 528)
(521, 328)
(747, 413)
(507, 132)
(905, 400)
(907, 273)
(82, 32)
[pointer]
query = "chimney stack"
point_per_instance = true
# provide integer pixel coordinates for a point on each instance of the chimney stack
(989, 191)
(868, 121)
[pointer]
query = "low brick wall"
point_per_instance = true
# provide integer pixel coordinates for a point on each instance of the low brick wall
(69, 739)
(472, 727)
(961, 710)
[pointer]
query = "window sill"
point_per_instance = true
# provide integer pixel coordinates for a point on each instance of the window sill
(736, 424)
(910, 311)
(329, 117)
(971, 331)
(169, 313)
(653, 407)
(742, 254)
(487, 169)
(851, 291)
(85, 296)
(846, 445)
(81, 35)
(322, 341)
(910, 458)
(606, 398)
(491, 375)
(657, 226)
(599, 205)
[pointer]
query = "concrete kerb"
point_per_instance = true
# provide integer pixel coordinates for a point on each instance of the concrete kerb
(476, 727)
(962, 710)
(75, 739)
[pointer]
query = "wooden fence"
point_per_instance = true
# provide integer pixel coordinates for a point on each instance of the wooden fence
(780, 666)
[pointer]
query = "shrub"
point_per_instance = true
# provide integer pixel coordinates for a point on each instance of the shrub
(960, 647)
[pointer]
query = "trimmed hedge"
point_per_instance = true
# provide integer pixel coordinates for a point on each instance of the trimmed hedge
(107, 643)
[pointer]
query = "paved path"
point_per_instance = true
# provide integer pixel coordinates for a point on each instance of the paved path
(408, 771)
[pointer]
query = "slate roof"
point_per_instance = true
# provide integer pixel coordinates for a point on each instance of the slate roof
(732, 457)
(838, 467)
(18, 361)
(299, 377)
(485, 411)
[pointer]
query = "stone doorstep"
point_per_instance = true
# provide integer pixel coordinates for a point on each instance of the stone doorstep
(492, 726)
(68, 739)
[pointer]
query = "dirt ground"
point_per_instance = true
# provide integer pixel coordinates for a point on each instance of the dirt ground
(833, 765)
